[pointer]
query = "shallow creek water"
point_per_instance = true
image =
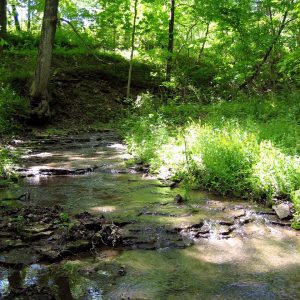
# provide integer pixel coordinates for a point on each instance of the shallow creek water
(257, 260)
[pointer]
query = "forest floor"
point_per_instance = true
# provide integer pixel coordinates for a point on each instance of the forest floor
(87, 92)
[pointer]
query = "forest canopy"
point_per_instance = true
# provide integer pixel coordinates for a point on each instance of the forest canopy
(219, 46)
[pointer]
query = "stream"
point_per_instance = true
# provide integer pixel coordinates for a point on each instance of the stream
(211, 247)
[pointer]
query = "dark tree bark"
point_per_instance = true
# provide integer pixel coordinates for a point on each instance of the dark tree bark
(171, 41)
(28, 15)
(39, 88)
(16, 17)
(3, 18)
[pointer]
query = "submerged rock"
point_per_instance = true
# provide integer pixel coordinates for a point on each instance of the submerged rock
(31, 293)
(179, 199)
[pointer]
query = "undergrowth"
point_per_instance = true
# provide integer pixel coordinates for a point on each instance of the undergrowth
(8, 159)
(13, 110)
(248, 148)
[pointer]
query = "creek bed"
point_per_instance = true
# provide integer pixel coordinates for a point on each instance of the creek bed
(209, 248)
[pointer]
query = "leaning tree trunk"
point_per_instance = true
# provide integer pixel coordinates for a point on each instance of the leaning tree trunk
(3, 18)
(257, 68)
(16, 18)
(171, 41)
(39, 88)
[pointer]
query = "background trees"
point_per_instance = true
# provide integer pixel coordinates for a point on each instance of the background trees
(229, 45)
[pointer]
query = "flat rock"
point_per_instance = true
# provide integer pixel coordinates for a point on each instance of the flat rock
(38, 228)
(77, 246)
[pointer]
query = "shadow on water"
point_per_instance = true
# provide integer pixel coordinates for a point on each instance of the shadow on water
(164, 274)
(257, 261)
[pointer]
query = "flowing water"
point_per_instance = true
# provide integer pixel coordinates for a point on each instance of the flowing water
(168, 257)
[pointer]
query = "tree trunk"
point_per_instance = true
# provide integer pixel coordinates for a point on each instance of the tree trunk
(3, 18)
(16, 17)
(171, 41)
(132, 49)
(204, 42)
(39, 88)
(28, 15)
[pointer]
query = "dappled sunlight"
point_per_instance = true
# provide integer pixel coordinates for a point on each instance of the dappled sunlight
(214, 264)
(218, 251)
(264, 254)
(39, 155)
(103, 209)
(118, 146)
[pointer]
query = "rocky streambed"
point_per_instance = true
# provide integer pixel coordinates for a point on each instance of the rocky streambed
(85, 225)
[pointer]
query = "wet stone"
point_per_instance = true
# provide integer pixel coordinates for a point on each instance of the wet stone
(38, 228)
(275, 221)
(178, 199)
(224, 230)
(245, 220)
(7, 244)
(31, 293)
(18, 257)
(49, 254)
(283, 211)
(237, 213)
(228, 222)
(77, 246)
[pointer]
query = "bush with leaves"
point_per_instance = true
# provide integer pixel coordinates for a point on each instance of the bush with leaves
(13, 110)
(226, 151)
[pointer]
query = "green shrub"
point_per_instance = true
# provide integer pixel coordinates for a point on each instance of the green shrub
(275, 174)
(13, 110)
(230, 150)
(8, 160)
(144, 137)
(296, 201)
(227, 155)
(21, 40)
